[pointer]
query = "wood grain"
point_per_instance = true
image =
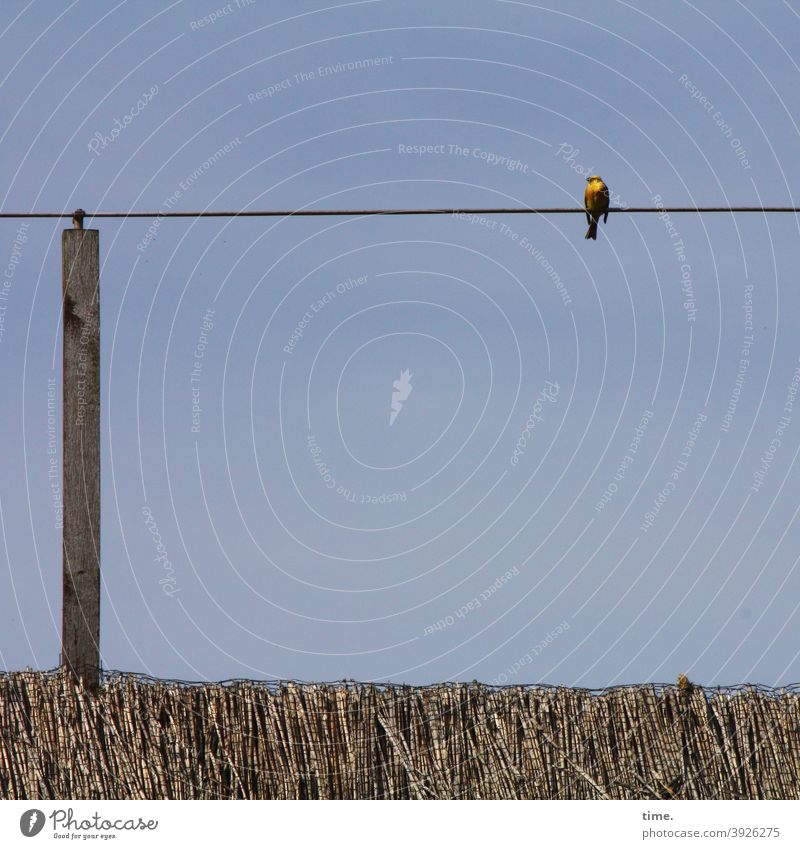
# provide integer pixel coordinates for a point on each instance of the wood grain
(80, 642)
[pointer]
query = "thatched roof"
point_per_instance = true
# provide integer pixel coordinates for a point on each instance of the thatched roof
(144, 738)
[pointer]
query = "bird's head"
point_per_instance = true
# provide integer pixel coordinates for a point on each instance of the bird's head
(593, 178)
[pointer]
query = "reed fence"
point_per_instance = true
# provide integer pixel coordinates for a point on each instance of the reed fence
(140, 738)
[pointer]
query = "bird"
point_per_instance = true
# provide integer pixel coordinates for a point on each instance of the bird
(684, 683)
(596, 203)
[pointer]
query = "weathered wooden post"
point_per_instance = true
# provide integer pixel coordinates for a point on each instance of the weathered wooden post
(80, 628)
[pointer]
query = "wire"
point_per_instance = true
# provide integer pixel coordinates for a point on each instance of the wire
(279, 213)
(119, 674)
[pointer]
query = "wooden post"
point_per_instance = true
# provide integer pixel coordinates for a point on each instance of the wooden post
(80, 630)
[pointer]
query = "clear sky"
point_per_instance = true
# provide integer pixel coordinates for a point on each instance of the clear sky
(412, 448)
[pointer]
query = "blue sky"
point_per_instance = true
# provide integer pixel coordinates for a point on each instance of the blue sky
(590, 477)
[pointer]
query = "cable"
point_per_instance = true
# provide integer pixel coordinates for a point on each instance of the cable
(278, 213)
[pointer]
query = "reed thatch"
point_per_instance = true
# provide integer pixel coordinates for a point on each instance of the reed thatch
(147, 739)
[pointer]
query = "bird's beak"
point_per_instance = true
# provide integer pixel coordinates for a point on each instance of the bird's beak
(588, 179)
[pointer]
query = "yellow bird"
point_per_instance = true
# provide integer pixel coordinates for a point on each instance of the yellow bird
(596, 203)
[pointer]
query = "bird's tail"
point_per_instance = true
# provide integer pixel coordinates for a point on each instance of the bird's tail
(591, 233)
